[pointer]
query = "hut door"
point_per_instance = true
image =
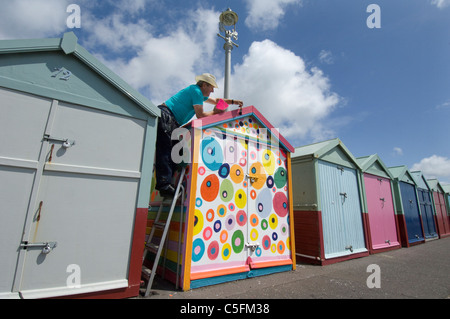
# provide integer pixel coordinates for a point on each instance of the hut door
(21, 132)
(427, 213)
(341, 211)
(268, 207)
(241, 219)
(411, 212)
(77, 237)
(441, 214)
(220, 216)
(381, 212)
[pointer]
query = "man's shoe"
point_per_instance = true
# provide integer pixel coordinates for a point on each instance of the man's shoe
(167, 192)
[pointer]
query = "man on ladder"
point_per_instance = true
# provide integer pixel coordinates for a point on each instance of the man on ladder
(175, 112)
(180, 108)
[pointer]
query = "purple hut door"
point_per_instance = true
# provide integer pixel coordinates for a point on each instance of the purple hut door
(381, 212)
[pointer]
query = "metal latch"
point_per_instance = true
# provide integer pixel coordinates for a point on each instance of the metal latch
(388, 241)
(343, 194)
(252, 246)
(46, 247)
(349, 248)
(65, 141)
(252, 178)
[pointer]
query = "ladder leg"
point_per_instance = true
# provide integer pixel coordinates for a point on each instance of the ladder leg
(152, 232)
(179, 239)
(166, 229)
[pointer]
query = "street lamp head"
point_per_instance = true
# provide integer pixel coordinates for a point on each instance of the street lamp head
(229, 18)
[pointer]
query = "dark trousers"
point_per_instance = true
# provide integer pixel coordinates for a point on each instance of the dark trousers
(163, 159)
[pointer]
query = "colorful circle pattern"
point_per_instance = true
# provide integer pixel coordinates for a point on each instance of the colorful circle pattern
(222, 223)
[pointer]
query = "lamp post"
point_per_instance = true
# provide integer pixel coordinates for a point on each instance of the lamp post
(228, 18)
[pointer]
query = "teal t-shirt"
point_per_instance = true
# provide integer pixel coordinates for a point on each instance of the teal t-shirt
(181, 104)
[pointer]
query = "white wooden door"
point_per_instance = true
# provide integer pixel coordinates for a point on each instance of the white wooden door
(23, 121)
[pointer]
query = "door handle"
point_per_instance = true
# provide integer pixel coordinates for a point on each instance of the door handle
(252, 246)
(252, 178)
(65, 141)
(46, 247)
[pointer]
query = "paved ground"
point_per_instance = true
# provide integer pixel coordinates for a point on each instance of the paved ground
(422, 271)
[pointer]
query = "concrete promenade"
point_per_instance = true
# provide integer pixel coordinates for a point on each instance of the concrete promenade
(419, 272)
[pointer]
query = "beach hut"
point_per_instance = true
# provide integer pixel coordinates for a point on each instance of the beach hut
(446, 189)
(238, 209)
(426, 206)
(328, 217)
(442, 218)
(76, 162)
(407, 205)
(379, 209)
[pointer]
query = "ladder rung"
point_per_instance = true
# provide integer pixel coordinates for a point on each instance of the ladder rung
(152, 246)
(146, 272)
(160, 225)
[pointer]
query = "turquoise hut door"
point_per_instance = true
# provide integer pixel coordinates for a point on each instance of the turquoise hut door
(343, 232)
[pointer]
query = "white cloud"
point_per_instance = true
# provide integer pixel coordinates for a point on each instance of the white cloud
(326, 57)
(162, 64)
(32, 18)
(277, 82)
(270, 77)
(114, 33)
(131, 6)
(441, 3)
(398, 151)
(266, 14)
(433, 167)
(444, 105)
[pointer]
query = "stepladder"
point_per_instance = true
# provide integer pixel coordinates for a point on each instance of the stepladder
(157, 246)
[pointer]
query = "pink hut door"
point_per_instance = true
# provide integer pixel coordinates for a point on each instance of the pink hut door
(381, 212)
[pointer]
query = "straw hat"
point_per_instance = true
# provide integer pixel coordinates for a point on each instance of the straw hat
(208, 78)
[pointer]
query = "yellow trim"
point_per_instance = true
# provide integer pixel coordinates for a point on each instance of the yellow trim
(291, 211)
(190, 211)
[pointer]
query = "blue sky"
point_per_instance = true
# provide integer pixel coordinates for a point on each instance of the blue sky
(313, 67)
